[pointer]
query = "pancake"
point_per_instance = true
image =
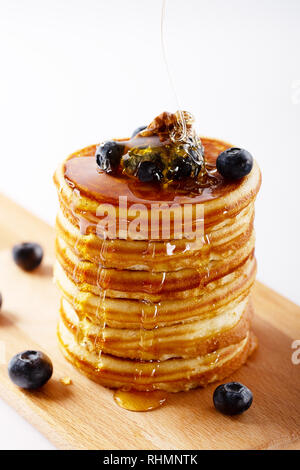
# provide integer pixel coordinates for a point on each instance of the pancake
(152, 286)
(142, 310)
(128, 313)
(81, 188)
(186, 340)
(226, 238)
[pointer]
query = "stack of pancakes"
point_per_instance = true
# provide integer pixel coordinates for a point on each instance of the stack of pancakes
(144, 314)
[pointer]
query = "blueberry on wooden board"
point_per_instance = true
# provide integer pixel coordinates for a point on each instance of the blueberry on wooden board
(30, 369)
(232, 398)
(28, 255)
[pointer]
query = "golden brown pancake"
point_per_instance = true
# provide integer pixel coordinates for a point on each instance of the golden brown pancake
(189, 339)
(154, 312)
(152, 286)
(173, 375)
(128, 313)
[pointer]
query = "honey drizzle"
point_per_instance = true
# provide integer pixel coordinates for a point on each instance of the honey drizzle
(140, 401)
(101, 305)
(148, 327)
(164, 53)
(75, 301)
(84, 322)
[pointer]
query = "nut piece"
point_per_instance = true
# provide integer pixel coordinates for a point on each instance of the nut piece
(65, 380)
(175, 126)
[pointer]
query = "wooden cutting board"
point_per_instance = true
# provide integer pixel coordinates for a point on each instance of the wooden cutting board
(83, 415)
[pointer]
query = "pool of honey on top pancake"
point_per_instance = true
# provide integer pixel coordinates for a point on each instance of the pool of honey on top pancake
(81, 170)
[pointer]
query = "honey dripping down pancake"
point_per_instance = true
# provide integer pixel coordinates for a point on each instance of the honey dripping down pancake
(149, 311)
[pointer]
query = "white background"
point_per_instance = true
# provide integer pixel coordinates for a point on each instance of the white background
(74, 72)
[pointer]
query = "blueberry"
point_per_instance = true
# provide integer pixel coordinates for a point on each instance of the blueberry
(234, 163)
(108, 156)
(195, 154)
(0, 300)
(28, 256)
(232, 398)
(181, 169)
(30, 369)
(149, 172)
(139, 129)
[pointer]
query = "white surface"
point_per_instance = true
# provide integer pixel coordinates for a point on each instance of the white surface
(76, 72)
